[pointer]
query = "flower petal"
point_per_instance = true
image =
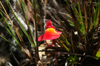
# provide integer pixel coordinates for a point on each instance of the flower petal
(49, 24)
(40, 38)
(50, 34)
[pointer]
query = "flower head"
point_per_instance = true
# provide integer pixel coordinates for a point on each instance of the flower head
(50, 33)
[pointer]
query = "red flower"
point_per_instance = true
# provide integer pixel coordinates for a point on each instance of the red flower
(49, 24)
(50, 33)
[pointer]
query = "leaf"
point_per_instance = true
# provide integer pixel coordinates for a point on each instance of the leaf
(98, 53)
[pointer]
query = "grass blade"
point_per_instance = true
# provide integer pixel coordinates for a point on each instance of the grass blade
(20, 24)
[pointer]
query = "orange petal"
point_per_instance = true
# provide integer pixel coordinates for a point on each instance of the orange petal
(50, 34)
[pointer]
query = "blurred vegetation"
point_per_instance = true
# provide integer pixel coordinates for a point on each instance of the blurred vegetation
(78, 20)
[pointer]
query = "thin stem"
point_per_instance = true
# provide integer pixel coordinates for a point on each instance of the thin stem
(36, 30)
